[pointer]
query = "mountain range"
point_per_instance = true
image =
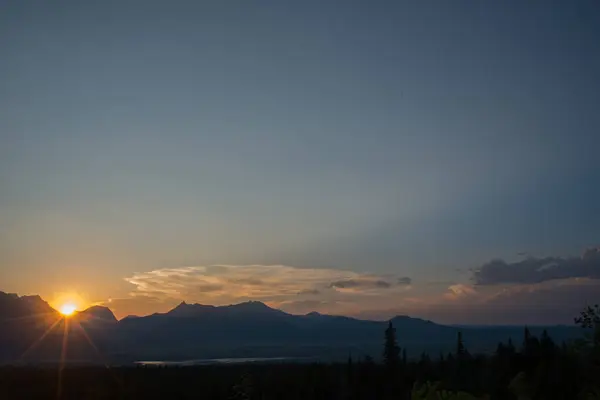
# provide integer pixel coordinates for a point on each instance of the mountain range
(32, 331)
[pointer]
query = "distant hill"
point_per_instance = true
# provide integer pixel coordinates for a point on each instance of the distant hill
(250, 329)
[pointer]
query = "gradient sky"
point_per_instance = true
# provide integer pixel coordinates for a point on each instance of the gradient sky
(362, 158)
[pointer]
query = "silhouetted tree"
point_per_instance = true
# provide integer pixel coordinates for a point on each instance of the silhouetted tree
(510, 347)
(560, 374)
(500, 350)
(242, 390)
(547, 345)
(424, 359)
(349, 368)
(461, 367)
(526, 339)
(391, 351)
(460, 346)
(589, 348)
(589, 317)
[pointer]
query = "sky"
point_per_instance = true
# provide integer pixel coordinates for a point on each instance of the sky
(436, 159)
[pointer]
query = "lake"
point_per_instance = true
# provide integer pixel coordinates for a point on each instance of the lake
(224, 361)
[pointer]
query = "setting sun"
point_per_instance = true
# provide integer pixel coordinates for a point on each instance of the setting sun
(67, 309)
(68, 302)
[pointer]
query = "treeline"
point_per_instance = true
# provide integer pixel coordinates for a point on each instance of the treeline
(533, 368)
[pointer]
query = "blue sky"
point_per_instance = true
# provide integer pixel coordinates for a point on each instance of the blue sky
(382, 138)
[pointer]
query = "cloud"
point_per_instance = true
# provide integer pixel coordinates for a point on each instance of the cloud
(277, 285)
(460, 290)
(405, 280)
(547, 290)
(246, 281)
(335, 307)
(531, 291)
(536, 270)
(550, 302)
(309, 292)
(366, 283)
(306, 306)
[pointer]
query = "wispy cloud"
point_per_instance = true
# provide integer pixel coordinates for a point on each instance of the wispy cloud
(309, 292)
(361, 284)
(278, 285)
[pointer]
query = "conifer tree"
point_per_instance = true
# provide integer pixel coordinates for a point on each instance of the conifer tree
(589, 318)
(500, 349)
(526, 340)
(547, 344)
(510, 347)
(460, 346)
(391, 351)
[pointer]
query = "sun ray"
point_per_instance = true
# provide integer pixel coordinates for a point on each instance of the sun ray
(87, 337)
(40, 339)
(63, 354)
(89, 317)
(81, 328)
(26, 317)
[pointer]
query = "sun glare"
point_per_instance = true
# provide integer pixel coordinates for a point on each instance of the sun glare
(68, 302)
(67, 309)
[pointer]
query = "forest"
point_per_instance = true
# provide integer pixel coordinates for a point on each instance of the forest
(535, 368)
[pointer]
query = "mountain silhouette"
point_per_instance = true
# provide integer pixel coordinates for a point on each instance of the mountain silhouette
(22, 321)
(189, 310)
(250, 329)
(96, 315)
(13, 306)
(195, 310)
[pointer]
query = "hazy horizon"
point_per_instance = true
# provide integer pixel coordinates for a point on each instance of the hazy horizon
(365, 159)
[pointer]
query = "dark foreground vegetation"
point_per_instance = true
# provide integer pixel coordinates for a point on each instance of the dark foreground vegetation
(537, 368)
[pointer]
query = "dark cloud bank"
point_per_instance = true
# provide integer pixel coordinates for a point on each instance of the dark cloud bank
(536, 270)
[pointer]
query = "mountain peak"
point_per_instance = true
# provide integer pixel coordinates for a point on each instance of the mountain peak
(405, 319)
(11, 306)
(181, 306)
(252, 304)
(190, 310)
(98, 313)
(253, 307)
(37, 303)
(187, 310)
